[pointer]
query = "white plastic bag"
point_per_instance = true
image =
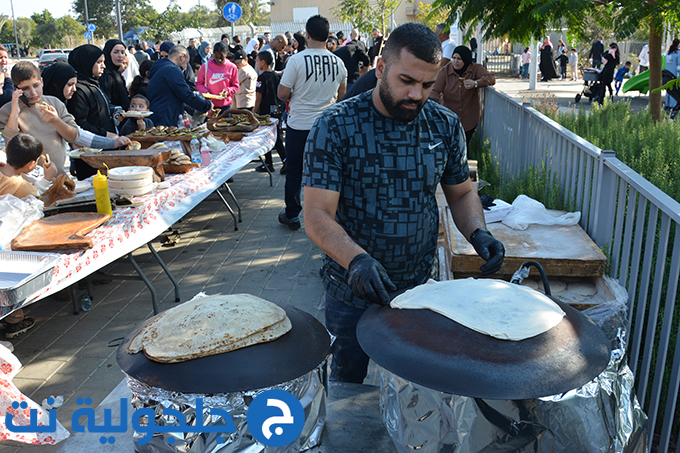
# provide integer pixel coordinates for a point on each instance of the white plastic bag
(527, 211)
(15, 214)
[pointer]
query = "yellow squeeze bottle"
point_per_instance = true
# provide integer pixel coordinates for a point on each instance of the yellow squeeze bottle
(101, 194)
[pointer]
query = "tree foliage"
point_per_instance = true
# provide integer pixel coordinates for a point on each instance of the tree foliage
(521, 20)
(102, 13)
(431, 17)
(366, 15)
(161, 25)
(25, 29)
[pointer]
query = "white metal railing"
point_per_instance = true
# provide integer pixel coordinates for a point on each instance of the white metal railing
(633, 221)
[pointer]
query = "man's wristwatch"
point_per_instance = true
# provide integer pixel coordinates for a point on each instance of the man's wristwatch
(476, 84)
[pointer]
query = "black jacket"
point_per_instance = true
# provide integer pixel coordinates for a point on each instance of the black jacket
(113, 85)
(352, 54)
(90, 107)
(168, 92)
(596, 52)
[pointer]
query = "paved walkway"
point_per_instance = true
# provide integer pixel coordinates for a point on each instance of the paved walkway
(68, 355)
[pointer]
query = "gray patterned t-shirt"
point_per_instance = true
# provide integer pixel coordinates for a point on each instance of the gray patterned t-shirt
(387, 173)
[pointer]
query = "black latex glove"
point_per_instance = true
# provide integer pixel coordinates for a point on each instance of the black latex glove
(489, 249)
(369, 280)
(487, 201)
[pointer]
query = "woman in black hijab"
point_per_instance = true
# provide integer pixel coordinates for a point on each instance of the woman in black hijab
(457, 87)
(89, 105)
(60, 81)
(112, 82)
(547, 64)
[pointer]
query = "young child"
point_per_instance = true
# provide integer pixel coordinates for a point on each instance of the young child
(563, 59)
(266, 103)
(138, 103)
(573, 63)
(620, 74)
(44, 117)
(23, 153)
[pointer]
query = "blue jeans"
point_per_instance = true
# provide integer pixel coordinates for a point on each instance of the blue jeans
(525, 70)
(295, 152)
(350, 362)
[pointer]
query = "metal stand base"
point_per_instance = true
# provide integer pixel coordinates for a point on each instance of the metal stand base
(238, 205)
(266, 167)
(140, 276)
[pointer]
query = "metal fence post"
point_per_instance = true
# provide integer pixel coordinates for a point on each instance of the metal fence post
(605, 194)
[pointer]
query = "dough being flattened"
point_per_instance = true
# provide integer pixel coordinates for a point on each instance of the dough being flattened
(492, 307)
(210, 325)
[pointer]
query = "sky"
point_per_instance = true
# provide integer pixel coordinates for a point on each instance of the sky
(62, 7)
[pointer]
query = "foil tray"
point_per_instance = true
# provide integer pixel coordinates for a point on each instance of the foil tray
(23, 274)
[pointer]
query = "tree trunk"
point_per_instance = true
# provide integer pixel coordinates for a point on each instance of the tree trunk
(655, 67)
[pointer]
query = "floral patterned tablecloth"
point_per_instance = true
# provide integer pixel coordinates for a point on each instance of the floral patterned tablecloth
(131, 228)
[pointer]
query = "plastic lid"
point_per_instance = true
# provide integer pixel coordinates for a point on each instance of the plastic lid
(194, 136)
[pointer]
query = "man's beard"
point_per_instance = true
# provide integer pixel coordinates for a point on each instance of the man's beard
(394, 107)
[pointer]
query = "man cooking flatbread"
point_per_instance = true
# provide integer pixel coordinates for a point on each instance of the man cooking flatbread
(372, 165)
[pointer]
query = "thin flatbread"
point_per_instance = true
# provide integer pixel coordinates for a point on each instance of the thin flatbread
(492, 307)
(210, 325)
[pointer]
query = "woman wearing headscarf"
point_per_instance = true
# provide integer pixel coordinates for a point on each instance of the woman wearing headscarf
(547, 62)
(457, 87)
(59, 80)
(89, 105)
(204, 52)
(111, 81)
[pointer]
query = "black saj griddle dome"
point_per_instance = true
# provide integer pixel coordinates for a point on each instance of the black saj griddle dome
(262, 365)
(432, 350)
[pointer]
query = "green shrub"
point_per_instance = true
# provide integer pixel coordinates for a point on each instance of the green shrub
(652, 150)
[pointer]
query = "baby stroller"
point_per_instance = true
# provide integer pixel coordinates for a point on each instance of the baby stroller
(593, 88)
(667, 76)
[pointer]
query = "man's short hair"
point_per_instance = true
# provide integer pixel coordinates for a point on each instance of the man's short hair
(417, 39)
(22, 149)
(138, 46)
(267, 57)
(177, 50)
(224, 35)
(237, 39)
(24, 70)
(221, 47)
(142, 97)
(318, 28)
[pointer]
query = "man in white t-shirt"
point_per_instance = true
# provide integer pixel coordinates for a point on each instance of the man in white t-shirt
(313, 80)
(448, 44)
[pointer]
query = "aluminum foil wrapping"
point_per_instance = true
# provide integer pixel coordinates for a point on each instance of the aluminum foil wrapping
(310, 389)
(601, 416)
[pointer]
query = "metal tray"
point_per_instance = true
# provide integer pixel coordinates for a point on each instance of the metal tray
(23, 274)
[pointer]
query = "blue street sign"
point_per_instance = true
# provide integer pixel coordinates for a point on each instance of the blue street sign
(88, 35)
(232, 12)
(91, 27)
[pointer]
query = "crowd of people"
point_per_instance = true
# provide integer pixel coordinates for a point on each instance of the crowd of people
(355, 117)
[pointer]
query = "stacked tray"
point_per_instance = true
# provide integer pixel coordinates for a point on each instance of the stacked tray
(23, 274)
(130, 180)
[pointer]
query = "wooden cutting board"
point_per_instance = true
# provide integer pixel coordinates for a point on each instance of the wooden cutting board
(131, 158)
(563, 251)
(59, 232)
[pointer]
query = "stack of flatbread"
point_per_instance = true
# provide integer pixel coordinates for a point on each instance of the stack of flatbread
(492, 307)
(210, 325)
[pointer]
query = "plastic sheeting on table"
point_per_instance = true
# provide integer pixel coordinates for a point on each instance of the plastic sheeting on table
(9, 393)
(601, 416)
(310, 389)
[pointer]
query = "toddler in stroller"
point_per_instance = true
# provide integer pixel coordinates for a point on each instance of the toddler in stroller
(593, 88)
